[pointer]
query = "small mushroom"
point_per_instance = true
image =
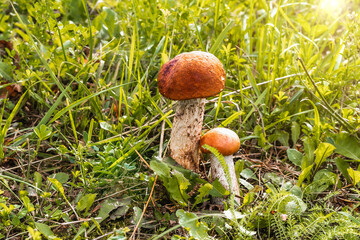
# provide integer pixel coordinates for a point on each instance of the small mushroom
(190, 78)
(227, 143)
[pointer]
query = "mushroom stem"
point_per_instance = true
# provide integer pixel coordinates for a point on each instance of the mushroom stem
(186, 132)
(217, 171)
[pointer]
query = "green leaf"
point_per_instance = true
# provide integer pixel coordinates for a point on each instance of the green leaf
(309, 148)
(347, 146)
(5, 71)
(37, 179)
(249, 197)
(43, 132)
(295, 132)
(197, 230)
(247, 173)
(294, 156)
(304, 174)
(218, 189)
(160, 168)
(283, 137)
(274, 178)
(106, 126)
(355, 175)
(258, 131)
(137, 216)
(322, 152)
(177, 186)
(323, 179)
(203, 191)
(28, 205)
(325, 175)
(108, 206)
(239, 167)
(45, 230)
(342, 165)
(125, 204)
(61, 177)
(85, 202)
(35, 235)
(291, 204)
(58, 185)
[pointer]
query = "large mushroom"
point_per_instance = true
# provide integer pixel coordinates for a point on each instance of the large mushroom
(227, 143)
(190, 78)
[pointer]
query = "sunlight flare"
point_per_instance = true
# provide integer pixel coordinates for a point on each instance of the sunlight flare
(332, 6)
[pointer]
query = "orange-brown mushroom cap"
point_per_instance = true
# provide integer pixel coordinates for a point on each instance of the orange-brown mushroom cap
(226, 141)
(191, 75)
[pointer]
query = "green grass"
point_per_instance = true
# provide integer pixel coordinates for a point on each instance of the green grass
(81, 139)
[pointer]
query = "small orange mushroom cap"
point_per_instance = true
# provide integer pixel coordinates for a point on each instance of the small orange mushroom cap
(191, 75)
(226, 141)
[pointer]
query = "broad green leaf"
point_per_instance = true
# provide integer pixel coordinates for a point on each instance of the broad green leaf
(106, 126)
(304, 173)
(309, 148)
(347, 146)
(355, 175)
(45, 230)
(247, 173)
(296, 190)
(294, 156)
(325, 175)
(342, 165)
(322, 152)
(291, 204)
(125, 204)
(283, 137)
(218, 189)
(160, 168)
(108, 206)
(295, 132)
(5, 71)
(323, 179)
(274, 178)
(177, 186)
(85, 202)
(197, 230)
(203, 191)
(61, 177)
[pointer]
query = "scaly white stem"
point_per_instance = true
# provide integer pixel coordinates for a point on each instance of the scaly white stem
(186, 133)
(217, 171)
